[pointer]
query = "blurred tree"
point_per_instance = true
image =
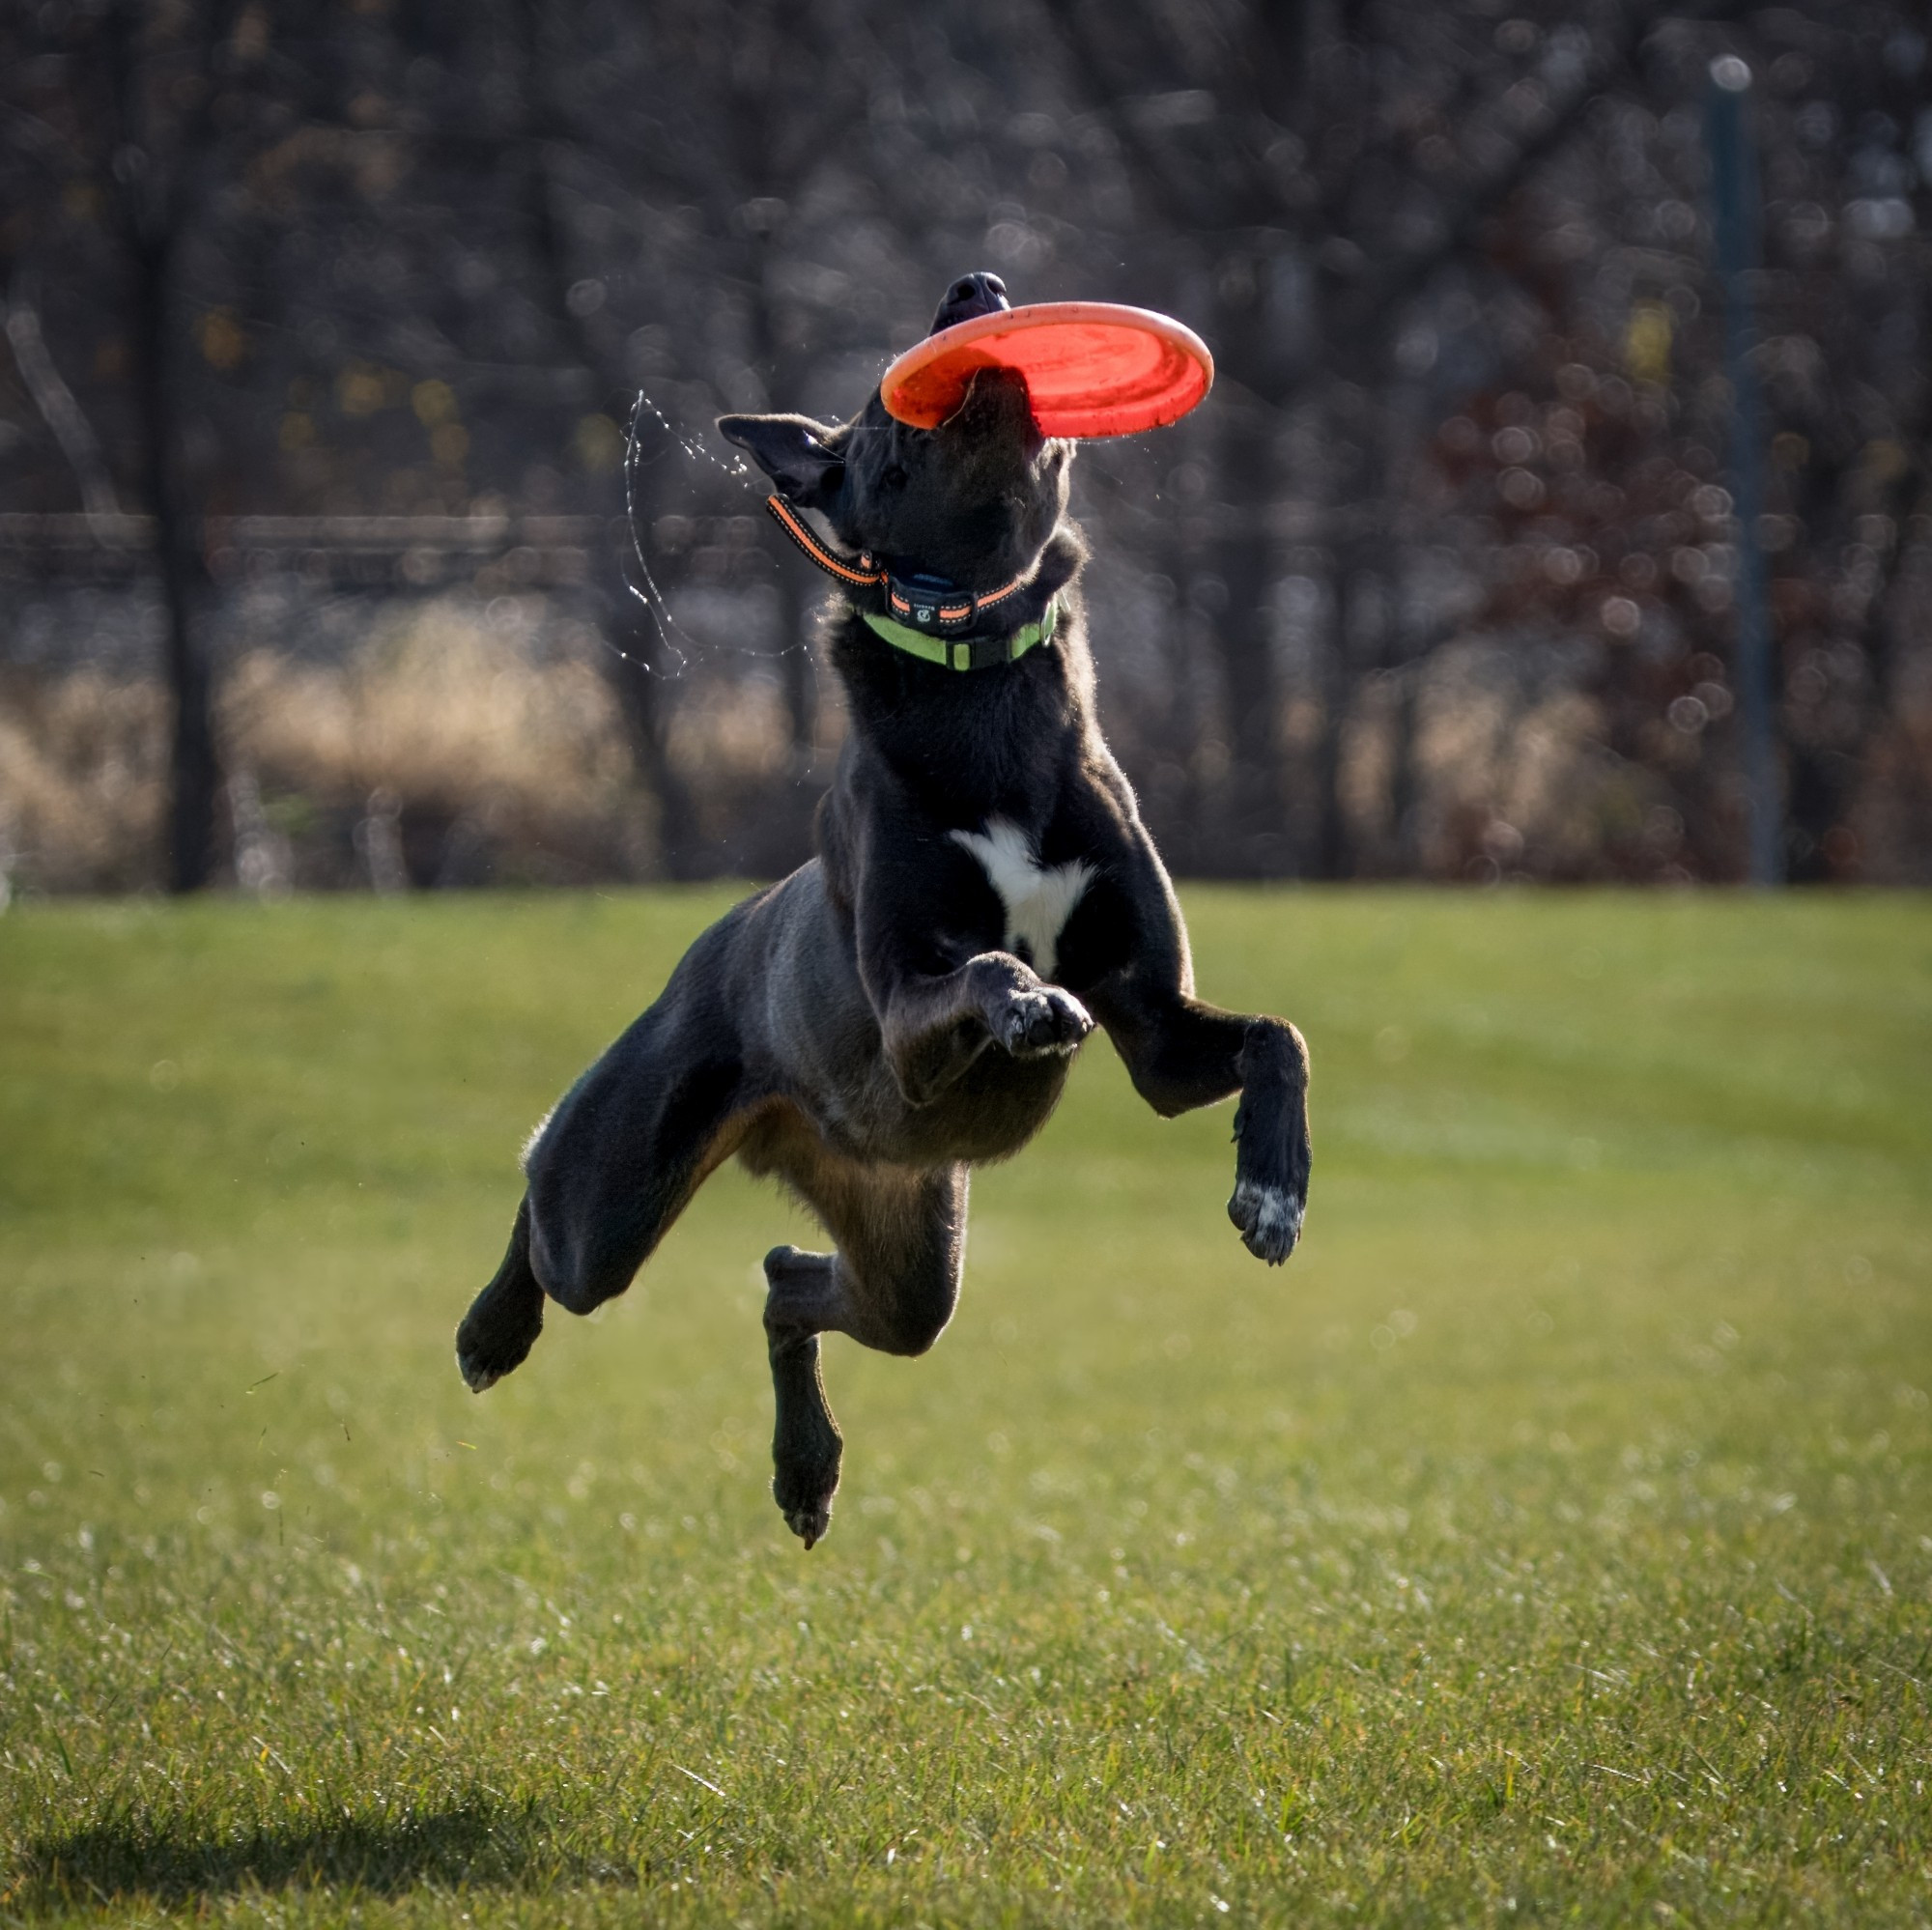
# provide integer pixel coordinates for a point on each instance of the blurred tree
(1601, 467)
(1326, 163)
(162, 88)
(110, 142)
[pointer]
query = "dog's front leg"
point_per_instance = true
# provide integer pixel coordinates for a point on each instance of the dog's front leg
(1272, 1157)
(1182, 1054)
(926, 938)
(935, 1026)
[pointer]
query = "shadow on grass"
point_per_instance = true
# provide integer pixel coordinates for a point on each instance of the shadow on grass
(474, 1842)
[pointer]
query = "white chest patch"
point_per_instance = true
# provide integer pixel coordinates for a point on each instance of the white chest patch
(1039, 901)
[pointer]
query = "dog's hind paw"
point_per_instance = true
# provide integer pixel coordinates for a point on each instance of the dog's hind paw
(488, 1349)
(805, 1500)
(1269, 1219)
(811, 1523)
(481, 1369)
(1036, 1025)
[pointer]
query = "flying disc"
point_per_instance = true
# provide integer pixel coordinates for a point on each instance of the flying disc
(1091, 368)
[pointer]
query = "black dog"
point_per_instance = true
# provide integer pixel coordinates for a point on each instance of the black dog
(908, 1002)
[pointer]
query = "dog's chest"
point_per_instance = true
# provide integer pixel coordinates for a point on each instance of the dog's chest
(1039, 898)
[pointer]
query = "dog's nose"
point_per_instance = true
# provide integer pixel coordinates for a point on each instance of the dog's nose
(977, 293)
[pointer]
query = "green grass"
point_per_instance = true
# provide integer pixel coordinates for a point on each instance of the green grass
(1551, 1540)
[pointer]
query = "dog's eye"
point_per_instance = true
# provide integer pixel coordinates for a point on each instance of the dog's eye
(894, 478)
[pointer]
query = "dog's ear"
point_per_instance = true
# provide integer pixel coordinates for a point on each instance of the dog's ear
(800, 455)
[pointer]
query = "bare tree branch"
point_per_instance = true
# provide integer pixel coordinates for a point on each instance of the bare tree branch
(55, 401)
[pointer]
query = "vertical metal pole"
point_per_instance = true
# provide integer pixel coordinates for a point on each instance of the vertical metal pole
(1734, 193)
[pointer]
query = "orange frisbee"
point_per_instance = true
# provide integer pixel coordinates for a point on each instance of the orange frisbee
(1092, 368)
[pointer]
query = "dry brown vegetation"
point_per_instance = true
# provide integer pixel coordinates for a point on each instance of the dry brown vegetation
(440, 752)
(451, 748)
(82, 774)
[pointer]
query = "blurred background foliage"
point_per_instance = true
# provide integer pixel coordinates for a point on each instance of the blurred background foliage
(327, 320)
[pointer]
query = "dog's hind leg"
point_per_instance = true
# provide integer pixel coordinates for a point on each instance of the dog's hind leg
(617, 1160)
(505, 1318)
(806, 1446)
(623, 1167)
(892, 1284)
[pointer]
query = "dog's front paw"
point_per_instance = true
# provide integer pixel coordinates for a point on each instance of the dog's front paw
(1268, 1218)
(1035, 1025)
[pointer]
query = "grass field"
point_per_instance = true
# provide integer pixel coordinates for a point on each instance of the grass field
(1550, 1542)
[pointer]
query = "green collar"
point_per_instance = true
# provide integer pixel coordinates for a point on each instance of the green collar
(964, 653)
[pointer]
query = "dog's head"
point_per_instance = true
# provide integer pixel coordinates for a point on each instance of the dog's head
(972, 501)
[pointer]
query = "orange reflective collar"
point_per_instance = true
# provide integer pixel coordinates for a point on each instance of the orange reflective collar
(948, 614)
(792, 524)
